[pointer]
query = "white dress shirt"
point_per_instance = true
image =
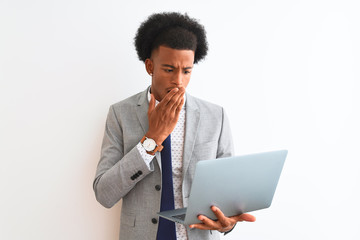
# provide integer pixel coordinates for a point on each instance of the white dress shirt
(177, 150)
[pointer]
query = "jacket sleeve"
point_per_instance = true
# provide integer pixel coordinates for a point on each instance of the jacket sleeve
(117, 172)
(225, 145)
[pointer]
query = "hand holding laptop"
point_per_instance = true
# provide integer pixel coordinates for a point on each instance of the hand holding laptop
(223, 224)
(239, 184)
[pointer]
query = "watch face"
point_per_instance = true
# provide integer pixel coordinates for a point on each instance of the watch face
(149, 144)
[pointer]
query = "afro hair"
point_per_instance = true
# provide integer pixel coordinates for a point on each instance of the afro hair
(173, 30)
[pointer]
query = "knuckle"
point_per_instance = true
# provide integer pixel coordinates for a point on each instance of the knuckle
(173, 100)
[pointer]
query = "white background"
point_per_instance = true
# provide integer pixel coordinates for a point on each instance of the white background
(287, 72)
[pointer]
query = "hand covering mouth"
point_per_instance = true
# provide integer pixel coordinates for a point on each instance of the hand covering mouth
(169, 89)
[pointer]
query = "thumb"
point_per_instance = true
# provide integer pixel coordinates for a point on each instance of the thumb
(247, 217)
(151, 104)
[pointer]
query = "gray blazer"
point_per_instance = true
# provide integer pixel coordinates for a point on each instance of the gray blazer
(123, 174)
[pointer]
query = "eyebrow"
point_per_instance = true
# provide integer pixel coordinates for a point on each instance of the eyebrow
(171, 66)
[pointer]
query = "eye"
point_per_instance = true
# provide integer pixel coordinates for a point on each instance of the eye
(168, 70)
(187, 72)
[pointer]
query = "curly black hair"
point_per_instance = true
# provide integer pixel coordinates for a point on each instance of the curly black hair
(173, 30)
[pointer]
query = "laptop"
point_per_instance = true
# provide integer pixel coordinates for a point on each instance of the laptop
(236, 185)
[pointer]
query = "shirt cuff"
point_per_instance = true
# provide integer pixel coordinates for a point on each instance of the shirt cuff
(146, 157)
(229, 230)
(225, 232)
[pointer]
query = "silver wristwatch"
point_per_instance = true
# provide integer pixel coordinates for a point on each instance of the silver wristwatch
(150, 145)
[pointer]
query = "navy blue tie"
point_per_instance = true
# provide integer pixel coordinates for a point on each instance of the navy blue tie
(166, 228)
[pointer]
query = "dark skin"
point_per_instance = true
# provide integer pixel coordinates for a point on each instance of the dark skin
(171, 71)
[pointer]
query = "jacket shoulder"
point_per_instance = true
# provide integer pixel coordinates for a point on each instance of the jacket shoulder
(205, 106)
(129, 102)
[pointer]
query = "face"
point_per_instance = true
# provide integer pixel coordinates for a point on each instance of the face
(170, 68)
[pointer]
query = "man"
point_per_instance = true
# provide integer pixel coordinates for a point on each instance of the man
(153, 139)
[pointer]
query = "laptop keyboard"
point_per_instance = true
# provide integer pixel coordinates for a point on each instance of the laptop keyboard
(181, 216)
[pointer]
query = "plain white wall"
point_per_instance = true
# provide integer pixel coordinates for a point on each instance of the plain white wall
(287, 72)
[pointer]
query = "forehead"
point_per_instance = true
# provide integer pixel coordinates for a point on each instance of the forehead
(166, 55)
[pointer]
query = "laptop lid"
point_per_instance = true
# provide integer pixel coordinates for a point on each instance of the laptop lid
(236, 185)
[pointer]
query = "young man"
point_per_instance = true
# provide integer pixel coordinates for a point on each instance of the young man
(153, 139)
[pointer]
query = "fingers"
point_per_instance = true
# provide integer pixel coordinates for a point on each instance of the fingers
(223, 223)
(179, 107)
(207, 224)
(151, 104)
(219, 214)
(173, 97)
(169, 96)
(207, 221)
(200, 226)
(223, 220)
(178, 102)
(242, 217)
(246, 217)
(172, 103)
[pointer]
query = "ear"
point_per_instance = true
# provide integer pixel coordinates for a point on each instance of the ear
(149, 65)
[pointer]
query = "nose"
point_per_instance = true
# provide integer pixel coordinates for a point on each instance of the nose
(178, 79)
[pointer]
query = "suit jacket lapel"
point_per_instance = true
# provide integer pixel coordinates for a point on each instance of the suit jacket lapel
(142, 109)
(191, 128)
